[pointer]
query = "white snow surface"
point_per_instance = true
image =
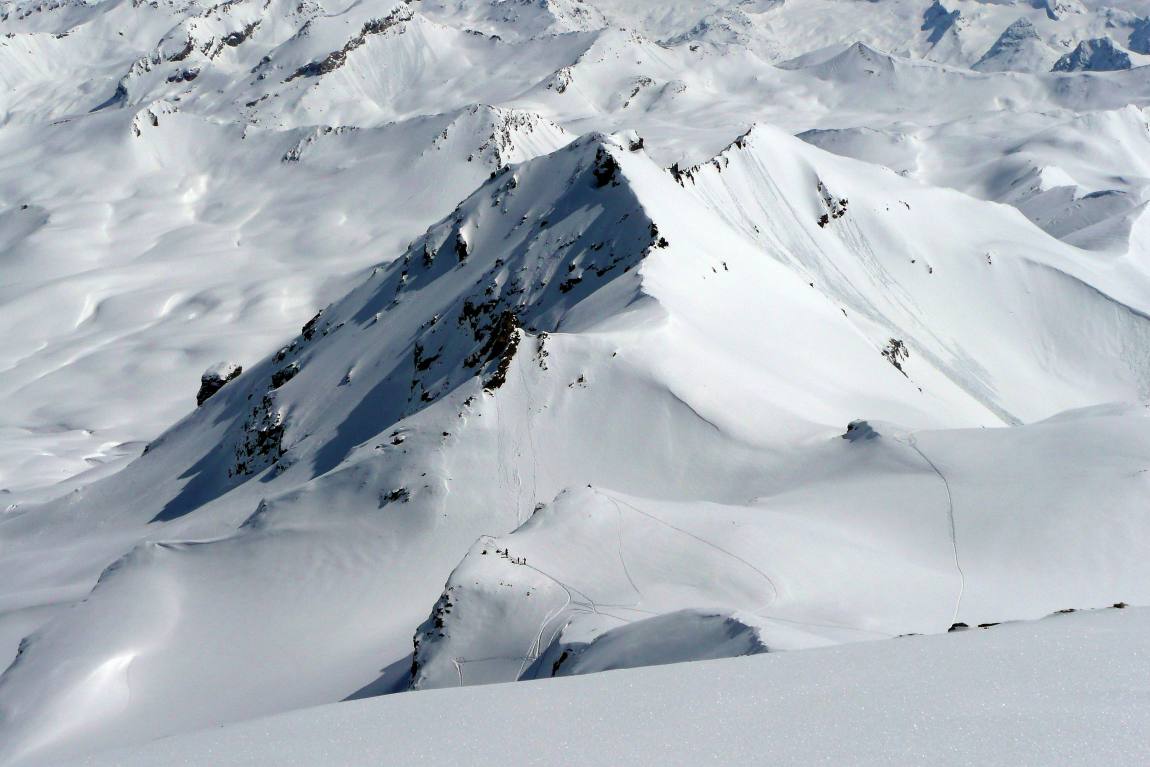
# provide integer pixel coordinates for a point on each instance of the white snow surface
(1069, 689)
(575, 336)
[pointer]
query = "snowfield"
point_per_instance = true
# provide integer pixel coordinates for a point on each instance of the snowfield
(1069, 689)
(353, 349)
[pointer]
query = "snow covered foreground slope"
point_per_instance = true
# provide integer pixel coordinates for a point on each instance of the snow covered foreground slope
(1069, 689)
(636, 383)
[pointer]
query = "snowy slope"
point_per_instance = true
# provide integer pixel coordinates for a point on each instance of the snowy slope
(194, 103)
(585, 319)
(1067, 690)
(1018, 49)
(650, 332)
(198, 258)
(902, 509)
(1082, 177)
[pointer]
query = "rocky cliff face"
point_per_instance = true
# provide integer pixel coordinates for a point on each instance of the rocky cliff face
(1097, 55)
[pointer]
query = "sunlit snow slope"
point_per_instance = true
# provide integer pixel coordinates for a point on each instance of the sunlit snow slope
(1003, 696)
(646, 332)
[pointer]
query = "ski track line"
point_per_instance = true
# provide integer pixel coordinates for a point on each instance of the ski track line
(536, 648)
(530, 407)
(503, 472)
(774, 589)
(716, 547)
(587, 605)
(622, 560)
(590, 606)
(913, 443)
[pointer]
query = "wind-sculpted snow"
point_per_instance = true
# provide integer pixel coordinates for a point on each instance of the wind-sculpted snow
(162, 232)
(1000, 696)
(353, 348)
(589, 318)
(201, 255)
(1082, 178)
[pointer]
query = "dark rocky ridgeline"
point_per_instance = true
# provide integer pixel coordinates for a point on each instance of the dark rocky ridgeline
(1139, 41)
(637, 85)
(213, 46)
(561, 80)
(461, 248)
(836, 207)
(896, 353)
(497, 147)
(184, 52)
(859, 431)
(937, 20)
(214, 379)
(657, 240)
(183, 75)
(718, 162)
(336, 59)
(516, 283)
(237, 38)
(296, 153)
(435, 627)
(309, 328)
(491, 333)
(606, 168)
(563, 656)
(260, 443)
(209, 47)
(506, 266)
(1097, 55)
(499, 348)
(284, 374)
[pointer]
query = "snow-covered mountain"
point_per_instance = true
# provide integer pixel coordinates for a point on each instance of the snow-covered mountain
(359, 347)
(1098, 55)
(1018, 49)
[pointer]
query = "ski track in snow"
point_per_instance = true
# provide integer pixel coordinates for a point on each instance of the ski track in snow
(622, 559)
(766, 578)
(912, 442)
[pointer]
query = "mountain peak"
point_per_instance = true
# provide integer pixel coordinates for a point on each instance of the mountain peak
(1018, 49)
(355, 347)
(1099, 54)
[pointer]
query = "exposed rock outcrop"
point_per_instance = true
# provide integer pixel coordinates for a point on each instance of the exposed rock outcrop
(214, 379)
(1097, 55)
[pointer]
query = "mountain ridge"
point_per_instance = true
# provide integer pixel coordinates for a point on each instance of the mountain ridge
(356, 348)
